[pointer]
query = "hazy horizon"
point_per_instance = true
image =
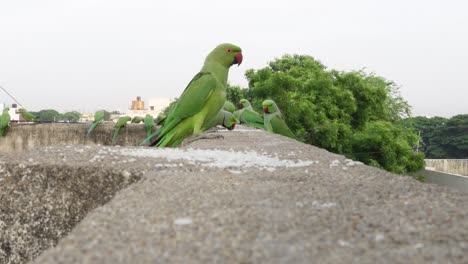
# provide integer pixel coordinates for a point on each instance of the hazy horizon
(88, 55)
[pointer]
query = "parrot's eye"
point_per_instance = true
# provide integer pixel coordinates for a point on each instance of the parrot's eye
(228, 50)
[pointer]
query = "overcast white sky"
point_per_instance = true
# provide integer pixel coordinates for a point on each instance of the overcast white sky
(87, 54)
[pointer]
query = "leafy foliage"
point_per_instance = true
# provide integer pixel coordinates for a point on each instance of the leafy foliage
(344, 112)
(70, 116)
(442, 138)
(47, 115)
(51, 115)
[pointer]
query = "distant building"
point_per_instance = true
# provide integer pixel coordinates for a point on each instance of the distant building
(15, 115)
(158, 104)
(138, 104)
(155, 106)
(86, 117)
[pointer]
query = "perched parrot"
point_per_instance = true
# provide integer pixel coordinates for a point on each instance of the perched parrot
(137, 119)
(26, 115)
(248, 116)
(4, 121)
(274, 120)
(98, 119)
(149, 123)
(228, 106)
(223, 118)
(121, 122)
(201, 100)
(160, 118)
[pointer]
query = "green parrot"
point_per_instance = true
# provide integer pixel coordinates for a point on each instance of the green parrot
(223, 118)
(121, 122)
(4, 121)
(98, 119)
(26, 115)
(228, 106)
(149, 123)
(201, 100)
(137, 119)
(274, 119)
(160, 118)
(248, 116)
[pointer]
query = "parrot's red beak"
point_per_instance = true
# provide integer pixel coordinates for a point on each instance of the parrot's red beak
(241, 106)
(238, 59)
(232, 127)
(265, 109)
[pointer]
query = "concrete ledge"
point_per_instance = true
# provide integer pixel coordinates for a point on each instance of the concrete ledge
(252, 197)
(27, 136)
(40, 201)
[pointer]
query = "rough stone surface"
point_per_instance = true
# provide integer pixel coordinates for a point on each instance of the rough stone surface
(21, 137)
(312, 206)
(45, 192)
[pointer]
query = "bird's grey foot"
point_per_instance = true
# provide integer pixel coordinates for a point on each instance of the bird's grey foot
(192, 138)
(212, 130)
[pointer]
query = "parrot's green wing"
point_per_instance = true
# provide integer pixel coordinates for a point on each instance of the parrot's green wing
(4, 121)
(91, 128)
(280, 127)
(137, 119)
(216, 120)
(121, 122)
(228, 106)
(251, 118)
(189, 103)
(98, 118)
(26, 115)
(237, 113)
(149, 123)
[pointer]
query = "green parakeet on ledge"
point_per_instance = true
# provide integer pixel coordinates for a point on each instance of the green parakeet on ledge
(201, 100)
(149, 124)
(26, 115)
(228, 106)
(137, 119)
(274, 119)
(223, 118)
(121, 122)
(248, 116)
(98, 119)
(4, 121)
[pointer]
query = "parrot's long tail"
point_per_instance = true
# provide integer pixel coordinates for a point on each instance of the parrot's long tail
(148, 132)
(116, 133)
(93, 125)
(2, 130)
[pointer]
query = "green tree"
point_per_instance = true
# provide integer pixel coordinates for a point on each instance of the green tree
(235, 93)
(47, 115)
(383, 144)
(442, 138)
(337, 110)
(454, 137)
(72, 116)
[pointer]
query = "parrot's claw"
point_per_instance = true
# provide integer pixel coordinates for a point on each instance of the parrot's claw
(212, 130)
(191, 139)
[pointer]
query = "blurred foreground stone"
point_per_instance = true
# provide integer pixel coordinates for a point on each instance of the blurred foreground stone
(252, 197)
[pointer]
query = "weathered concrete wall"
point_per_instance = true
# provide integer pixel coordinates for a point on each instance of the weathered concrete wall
(43, 197)
(251, 197)
(454, 166)
(26, 136)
